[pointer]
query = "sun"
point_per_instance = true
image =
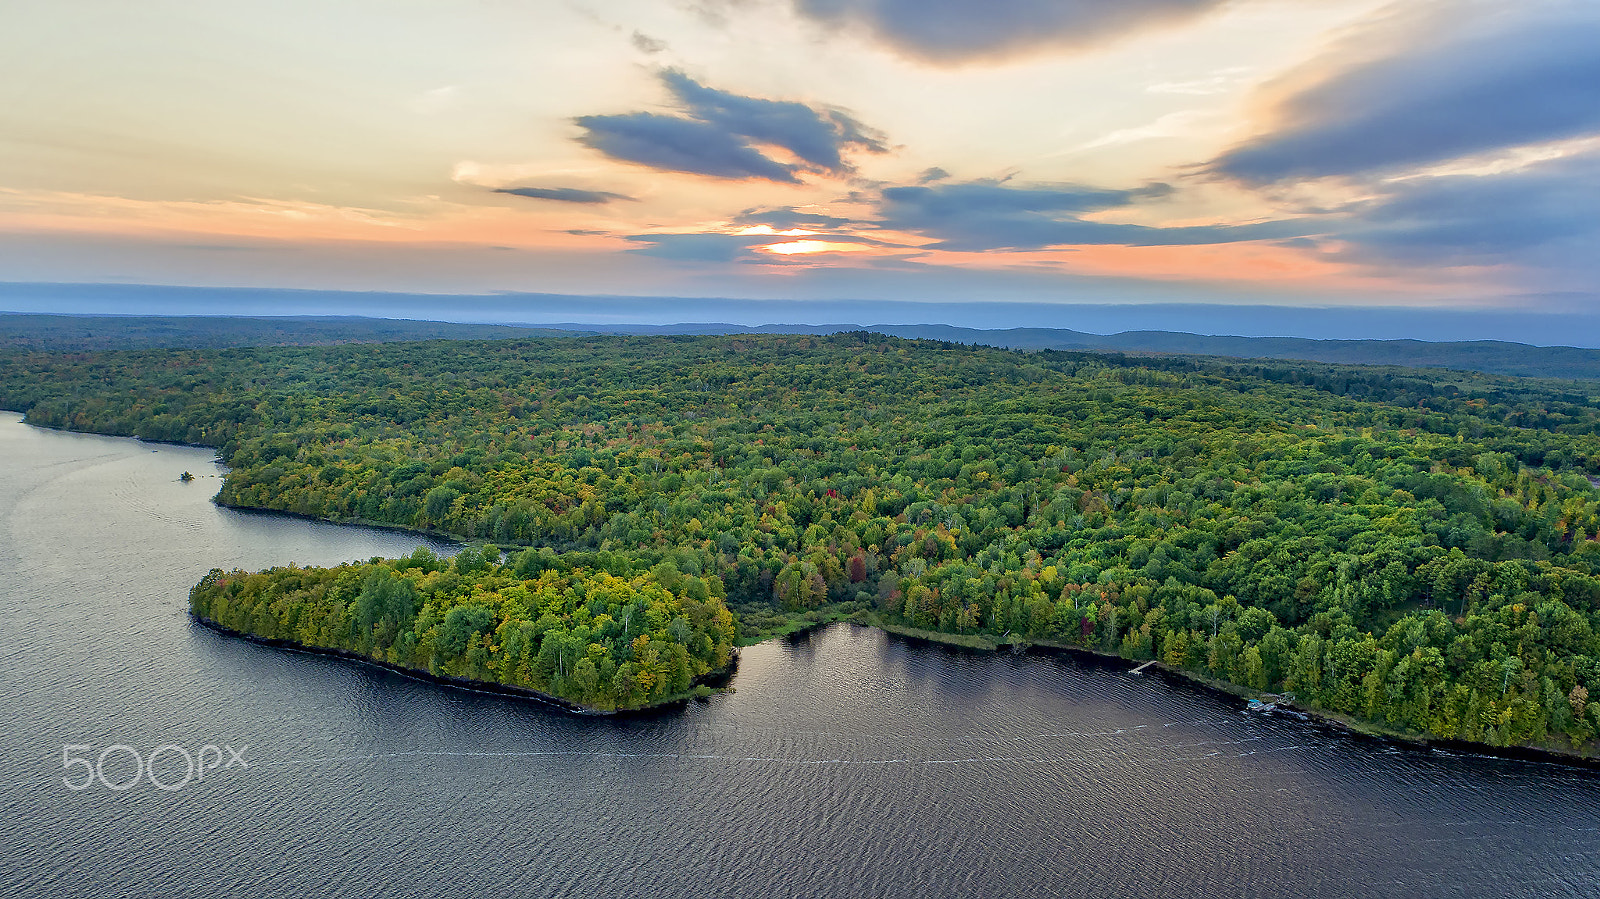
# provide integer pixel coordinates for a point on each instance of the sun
(801, 247)
(768, 231)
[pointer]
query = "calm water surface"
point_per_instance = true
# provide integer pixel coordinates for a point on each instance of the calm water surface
(847, 764)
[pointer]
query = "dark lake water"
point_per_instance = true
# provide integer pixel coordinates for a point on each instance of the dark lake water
(846, 764)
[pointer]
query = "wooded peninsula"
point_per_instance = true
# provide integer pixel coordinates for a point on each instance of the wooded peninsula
(1412, 549)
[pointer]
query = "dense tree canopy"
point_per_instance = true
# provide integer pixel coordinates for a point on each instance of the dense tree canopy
(1418, 550)
(586, 627)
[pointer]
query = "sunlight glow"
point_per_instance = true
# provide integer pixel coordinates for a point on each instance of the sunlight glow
(799, 247)
(764, 230)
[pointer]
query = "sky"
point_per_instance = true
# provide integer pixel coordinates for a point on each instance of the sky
(1351, 155)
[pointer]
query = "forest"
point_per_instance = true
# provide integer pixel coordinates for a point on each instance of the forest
(1416, 550)
(90, 333)
(585, 627)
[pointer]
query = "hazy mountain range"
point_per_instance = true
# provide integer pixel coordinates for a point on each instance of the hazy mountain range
(85, 333)
(1492, 356)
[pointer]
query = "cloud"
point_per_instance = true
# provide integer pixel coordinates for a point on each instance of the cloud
(959, 31)
(701, 246)
(721, 135)
(1219, 82)
(697, 247)
(563, 194)
(644, 43)
(434, 101)
(816, 136)
(1173, 124)
(931, 175)
(987, 196)
(785, 218)
(1472, 77)
(976, 216)
(672, 144)
(1541, 216)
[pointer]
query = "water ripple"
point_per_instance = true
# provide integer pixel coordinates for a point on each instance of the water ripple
(847, 764)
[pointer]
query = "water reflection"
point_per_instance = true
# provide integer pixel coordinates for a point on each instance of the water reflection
(848, 762)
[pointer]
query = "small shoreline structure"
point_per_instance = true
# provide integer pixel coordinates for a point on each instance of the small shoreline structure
(1266, 704)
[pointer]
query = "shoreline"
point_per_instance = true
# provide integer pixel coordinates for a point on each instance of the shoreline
(438, 536)
(718, 678)
(982, 643)
(434, 536)
(33, 424)
(1189, 680)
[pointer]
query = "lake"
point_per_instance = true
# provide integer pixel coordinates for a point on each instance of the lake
(847, 762)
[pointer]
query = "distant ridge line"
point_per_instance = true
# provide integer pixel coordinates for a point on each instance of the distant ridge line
(1489, 356)
(92, 332)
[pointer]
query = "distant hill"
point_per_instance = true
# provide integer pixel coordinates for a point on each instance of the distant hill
(1490, 356)
(89, 333)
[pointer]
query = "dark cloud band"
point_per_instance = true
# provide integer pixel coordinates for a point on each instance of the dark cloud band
(1538, 217)
(563, 194)
(1469, 83)
(978, 216)
(721, 135)
(673, 144)
(693, 247)
(786, 218)
(955, 31)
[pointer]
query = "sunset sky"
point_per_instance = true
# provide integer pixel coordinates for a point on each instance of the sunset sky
(1280, 152)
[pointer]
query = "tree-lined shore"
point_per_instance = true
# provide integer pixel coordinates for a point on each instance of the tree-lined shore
(1413, 550)
(592, 632)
